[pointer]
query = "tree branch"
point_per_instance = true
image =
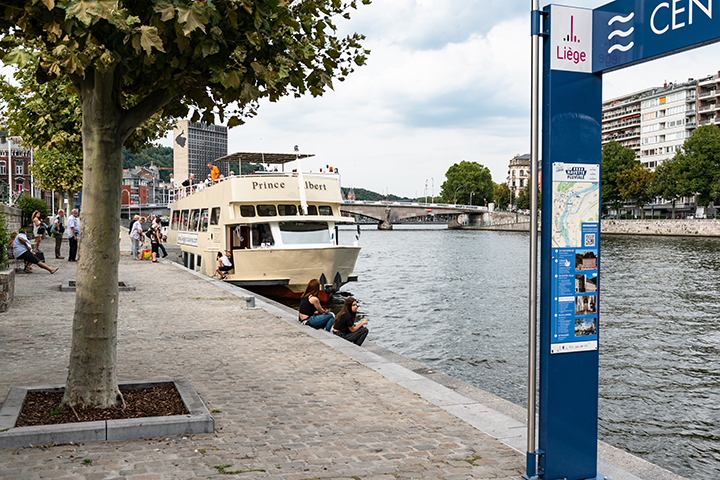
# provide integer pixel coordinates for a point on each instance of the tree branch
(143, 110)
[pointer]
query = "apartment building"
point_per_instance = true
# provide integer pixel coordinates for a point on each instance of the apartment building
(669, 115)
(707, 99)
(518, 173)
(621, 120)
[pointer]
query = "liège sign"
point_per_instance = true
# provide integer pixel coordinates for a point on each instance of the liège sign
(571, 39)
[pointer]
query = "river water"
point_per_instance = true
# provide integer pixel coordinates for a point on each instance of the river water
(457, 301)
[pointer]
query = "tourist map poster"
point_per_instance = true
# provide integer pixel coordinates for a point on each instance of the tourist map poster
(575, 237)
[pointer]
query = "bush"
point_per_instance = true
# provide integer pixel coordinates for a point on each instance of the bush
(29, 204)
(4, 239)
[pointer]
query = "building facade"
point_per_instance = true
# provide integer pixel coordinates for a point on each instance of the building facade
(668, 118)
(195, 145)
(707, 100)
(518, 173)
(15, 176)
(621, 121)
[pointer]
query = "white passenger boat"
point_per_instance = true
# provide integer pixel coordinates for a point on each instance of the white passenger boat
(282, 228)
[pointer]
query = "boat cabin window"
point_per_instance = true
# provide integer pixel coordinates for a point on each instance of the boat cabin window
(285, 210)
(204, 220)
(261, 235)
(184, 219)
(325, 210)
(302, 233)
(215, 216)
(175, 224)
(312, 210)
(266, 211)
(194, 217)
(247, 210)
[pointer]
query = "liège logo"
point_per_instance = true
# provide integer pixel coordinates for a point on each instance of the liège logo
(571, 39)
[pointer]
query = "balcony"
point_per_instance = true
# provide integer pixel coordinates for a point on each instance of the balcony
(707, 108)
(708, 94)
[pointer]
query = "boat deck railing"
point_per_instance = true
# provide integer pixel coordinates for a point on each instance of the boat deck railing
(183, 191)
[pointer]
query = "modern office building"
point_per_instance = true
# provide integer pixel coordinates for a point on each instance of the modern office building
(195, 145)
(518, 173)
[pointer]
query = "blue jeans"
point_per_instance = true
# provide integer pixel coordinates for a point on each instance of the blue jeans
(322, 321)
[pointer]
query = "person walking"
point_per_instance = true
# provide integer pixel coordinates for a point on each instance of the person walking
(311, 311)
(73, 230)
(154, 234)
(158, 222)
(57, 229)
(132, 245)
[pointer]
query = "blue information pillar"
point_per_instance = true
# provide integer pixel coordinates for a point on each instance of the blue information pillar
(570, 248)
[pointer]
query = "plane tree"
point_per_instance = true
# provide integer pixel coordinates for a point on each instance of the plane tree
(633, 184)
(216, 59)
(48, 117)
(464, 178)
(698, 164)
(615, 160)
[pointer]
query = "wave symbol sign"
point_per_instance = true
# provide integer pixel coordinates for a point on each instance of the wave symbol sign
(618, 32)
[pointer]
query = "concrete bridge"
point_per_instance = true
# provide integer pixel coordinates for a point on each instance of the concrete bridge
(388, 212)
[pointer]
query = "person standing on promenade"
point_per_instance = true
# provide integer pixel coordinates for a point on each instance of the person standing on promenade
(158, 224)
(22, 250)
(73, 229)
(38, 229)
(345, 327)
(136, 234)
(57, 230)
(311, 311)
(130, 228)
(154, 234)
(214, 172)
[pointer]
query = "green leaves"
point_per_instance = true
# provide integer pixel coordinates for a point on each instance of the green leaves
(18, 56)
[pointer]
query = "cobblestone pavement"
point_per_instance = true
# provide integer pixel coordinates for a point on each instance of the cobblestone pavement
(286, 406)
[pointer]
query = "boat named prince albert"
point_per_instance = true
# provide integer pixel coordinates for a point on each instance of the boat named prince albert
(281, 228)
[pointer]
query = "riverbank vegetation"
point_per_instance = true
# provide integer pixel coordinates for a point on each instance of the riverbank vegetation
(694, 171)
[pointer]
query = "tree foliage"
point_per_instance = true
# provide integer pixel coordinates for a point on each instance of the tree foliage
(698, 164)
(665, 182)
(633, 185)
(464, 178)
(128, 61)
(615, 160)
(502, 196)
(29, 204)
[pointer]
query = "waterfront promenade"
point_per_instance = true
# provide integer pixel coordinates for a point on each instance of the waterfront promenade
(289, 402)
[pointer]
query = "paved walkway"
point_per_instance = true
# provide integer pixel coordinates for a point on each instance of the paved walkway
(289, 402)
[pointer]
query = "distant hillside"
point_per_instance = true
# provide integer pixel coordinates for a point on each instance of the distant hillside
(161, 157)
(368, 195)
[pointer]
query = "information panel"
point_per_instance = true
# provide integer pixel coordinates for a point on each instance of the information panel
(575, 262)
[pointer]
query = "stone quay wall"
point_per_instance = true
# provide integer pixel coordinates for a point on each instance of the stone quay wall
(699, 227)
(670, 227)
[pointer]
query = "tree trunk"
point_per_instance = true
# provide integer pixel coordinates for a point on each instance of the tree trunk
(92, 378)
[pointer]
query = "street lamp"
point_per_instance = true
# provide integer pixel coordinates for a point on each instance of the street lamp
(455, 195)
(471, 194)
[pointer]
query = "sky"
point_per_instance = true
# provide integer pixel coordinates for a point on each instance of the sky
(446, 81)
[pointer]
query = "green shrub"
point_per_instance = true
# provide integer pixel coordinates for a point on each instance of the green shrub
(4, 238)
(29, 204)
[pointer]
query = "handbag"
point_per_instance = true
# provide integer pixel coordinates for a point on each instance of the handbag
(40, 256)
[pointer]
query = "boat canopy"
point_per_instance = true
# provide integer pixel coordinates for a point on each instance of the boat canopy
(267, 158)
